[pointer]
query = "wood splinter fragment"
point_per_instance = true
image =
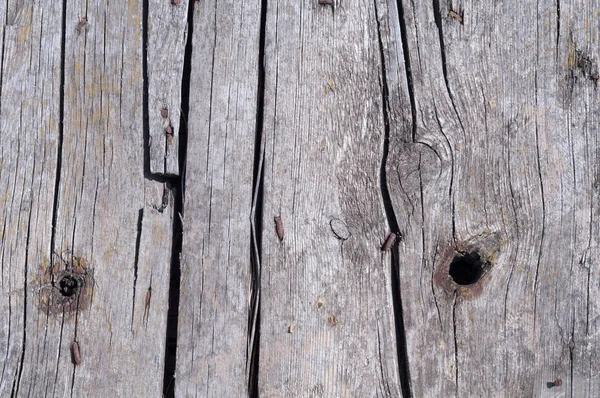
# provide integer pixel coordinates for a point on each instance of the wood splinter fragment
(81, 24)
(76, 356)
(389, 242)
(456, 16)
(278, 227)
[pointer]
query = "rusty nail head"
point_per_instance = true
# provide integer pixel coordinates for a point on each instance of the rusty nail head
(75, 353)
(279, 227)
(389, 242)
(557, 382)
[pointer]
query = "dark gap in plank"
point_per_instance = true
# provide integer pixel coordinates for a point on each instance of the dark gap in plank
(136, 259)
(145, 103)
(178, 213)
(407, 68)
(557, 27)
(61, 116)
(455, 343)
(257, 215)
(401, 350)
(437, 15)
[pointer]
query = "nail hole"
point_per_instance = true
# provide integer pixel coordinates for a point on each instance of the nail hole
(68, 285)
(467, 268)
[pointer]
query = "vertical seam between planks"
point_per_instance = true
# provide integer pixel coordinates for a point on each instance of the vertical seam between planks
(407, 67)
(401, 348)
(178, 210)
(257, 217)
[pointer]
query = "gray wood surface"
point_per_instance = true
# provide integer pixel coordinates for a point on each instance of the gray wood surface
(29, 121)
(315, 129)
(109, 232)
(167, 34)
(215, 337)
(504, 161)
(326, 326)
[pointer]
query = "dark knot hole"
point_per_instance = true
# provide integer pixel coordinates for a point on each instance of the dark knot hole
(467, 268)
(68, 285)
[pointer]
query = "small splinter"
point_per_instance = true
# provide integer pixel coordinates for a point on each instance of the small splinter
(330, 84)
(81, 24)
(456, 16)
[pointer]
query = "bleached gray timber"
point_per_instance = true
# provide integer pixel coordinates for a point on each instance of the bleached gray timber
(461, 127)
(107, 213)
(214, 334)
(504, 161)
(29, 122)
(326, 312)
(167, 33)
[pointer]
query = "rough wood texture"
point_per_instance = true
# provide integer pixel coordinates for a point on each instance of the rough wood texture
(29, 120)
(167, 33)
(327, 325)
(112, 236)
(503, 161)
(214, 343)
(469, 129)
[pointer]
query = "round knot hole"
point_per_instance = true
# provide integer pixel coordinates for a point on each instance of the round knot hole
(467, 268)
(68, 285)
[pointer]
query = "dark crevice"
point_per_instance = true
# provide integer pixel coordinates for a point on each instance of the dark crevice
(61, 111)
(438, 21)
(557, 26)
(407, 68)
(145, 96)
(402, 352)
(136, 259)
(178, 185)
(257, 216)
(455, 343)
(571, 348)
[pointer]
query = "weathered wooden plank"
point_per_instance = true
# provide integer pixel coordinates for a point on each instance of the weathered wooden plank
(99, 277)
(214, 331)
(29, 120)
(327, 325)
(167, 34)
(504, 163)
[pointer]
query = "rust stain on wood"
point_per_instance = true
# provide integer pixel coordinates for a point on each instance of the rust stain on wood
(279, 227)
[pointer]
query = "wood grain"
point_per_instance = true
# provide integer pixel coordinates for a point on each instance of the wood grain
(327, 326)
(111, 223)
(503, 161)
(29, 121)
(214, 332)
(167, 34)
